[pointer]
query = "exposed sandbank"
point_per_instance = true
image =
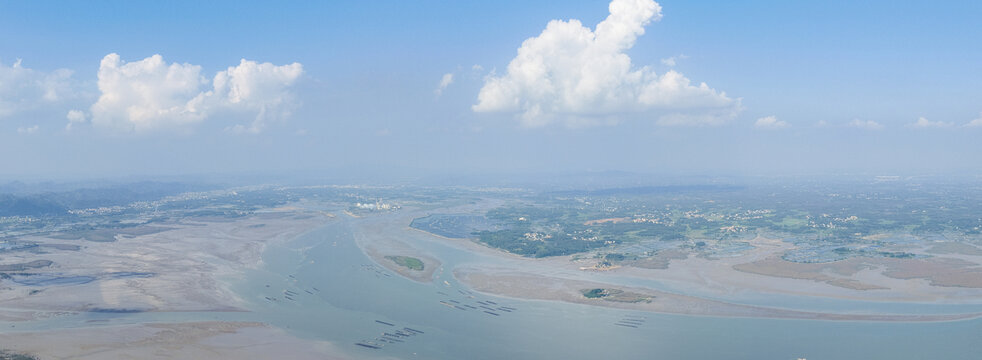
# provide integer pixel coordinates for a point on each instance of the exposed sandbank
(531, 286)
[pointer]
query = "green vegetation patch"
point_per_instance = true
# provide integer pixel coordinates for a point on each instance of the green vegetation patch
(594, 293)
(615, 295)
(406, 261)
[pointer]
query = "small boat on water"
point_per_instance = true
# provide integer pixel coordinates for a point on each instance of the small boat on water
(384, 323)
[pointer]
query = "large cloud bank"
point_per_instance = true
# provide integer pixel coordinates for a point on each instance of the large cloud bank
(151, 94)
(574, 75)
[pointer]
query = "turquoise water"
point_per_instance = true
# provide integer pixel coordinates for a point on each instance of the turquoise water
(339, 295)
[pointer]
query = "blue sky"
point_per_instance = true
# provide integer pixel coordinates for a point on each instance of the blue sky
(792, 87)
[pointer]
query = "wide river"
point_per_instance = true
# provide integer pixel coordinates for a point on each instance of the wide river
(336, 293)
(353, 292)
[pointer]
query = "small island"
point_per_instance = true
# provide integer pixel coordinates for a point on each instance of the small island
(615, 295)
(408, 262)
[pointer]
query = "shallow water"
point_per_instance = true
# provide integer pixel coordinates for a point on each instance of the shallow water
(340, 295)
(354, 293)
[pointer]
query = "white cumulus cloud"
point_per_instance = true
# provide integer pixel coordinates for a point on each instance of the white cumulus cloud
(672, 61)
(865, 124)
(574, 75)
(263, 89)
(770, 122)
(147, 94)
(923, 123)
(152, 94)
(445, 81)
(23, 88)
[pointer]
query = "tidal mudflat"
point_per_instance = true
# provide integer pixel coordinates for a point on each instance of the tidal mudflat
(350, 287)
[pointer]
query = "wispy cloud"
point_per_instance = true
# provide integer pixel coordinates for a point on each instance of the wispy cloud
(445, 81)
(771, 122)
(28, 130)
(865, 124)
(74, 117)
(673, 60)
(923, 123)
(975, 122)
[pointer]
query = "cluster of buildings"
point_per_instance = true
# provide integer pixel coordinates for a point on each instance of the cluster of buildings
(378, 205)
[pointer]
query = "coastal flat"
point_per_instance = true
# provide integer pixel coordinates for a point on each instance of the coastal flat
(181, 269)
(187, 267)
